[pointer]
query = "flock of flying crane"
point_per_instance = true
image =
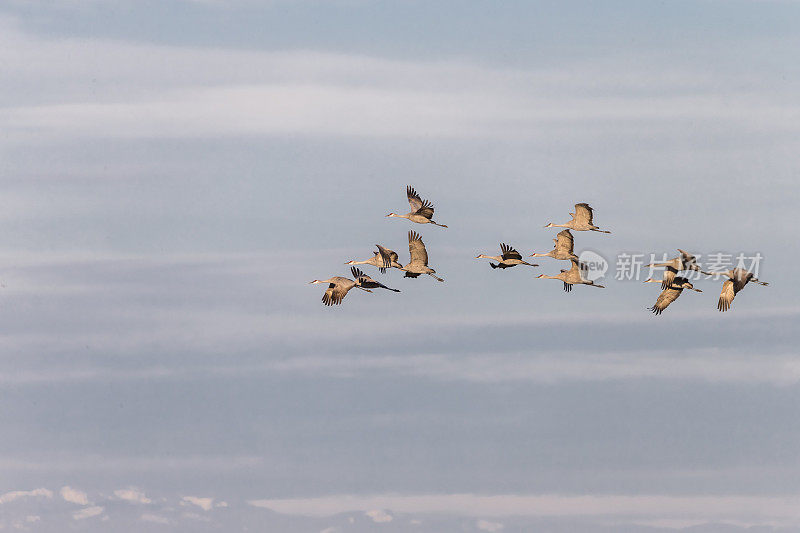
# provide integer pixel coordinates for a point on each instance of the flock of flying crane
(672, 285)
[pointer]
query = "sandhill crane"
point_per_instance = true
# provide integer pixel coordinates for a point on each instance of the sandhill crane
(382, 259)
(581, 220)
(390, 257)
(337, 289)
(571, 277)
(670, 294)
(737, 279)
(685, 261)
(509, 258)
(366, 282)
(563, 250)
(421, 210)
(419, 258)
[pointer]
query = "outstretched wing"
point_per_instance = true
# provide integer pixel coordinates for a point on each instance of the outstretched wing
(669, 277)
(666, 297)
(418, 205)
(564, 242)
(689, 260)
(417, 249)
(367, 282)
(577, 270)
(385, 258)
(583, 214)
(509, 253)
(413, 198)
(726, 296)
(335, 293)
(391, 255)
(358, 274)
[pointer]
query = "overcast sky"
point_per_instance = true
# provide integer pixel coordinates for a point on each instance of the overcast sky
(175, 172)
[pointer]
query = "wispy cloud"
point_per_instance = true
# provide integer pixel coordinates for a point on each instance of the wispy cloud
(163, 91)
(205, 504)
(87, 512)
(156, 519)
(74, 495)
(379, 516)
(782, 509)
(132, 495)
(17, 494)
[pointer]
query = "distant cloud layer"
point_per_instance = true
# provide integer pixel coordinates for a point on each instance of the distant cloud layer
(132, 495)
(17, 494)
(74, 496)
(175, 173)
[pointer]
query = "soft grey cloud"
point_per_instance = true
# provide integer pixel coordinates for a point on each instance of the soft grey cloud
(785, 510)
(379, 516)
(488, 525)
(74, 495)
(205, 504)
(169, 191)
(154, 518)
(179, 92)
(17, 494)
(87, 512)
(132, 495)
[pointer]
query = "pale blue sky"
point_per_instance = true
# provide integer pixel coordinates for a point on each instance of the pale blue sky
(174, 173)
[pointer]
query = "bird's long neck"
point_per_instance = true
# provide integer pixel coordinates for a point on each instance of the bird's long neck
(494, 257)
(548, 254)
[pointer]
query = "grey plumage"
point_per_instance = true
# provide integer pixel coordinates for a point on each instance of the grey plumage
(509, 257)
(419, 258)
(582, 220)
(366, 282)
(738, 278)
(563, 249)
(670, 293)
(382, 259)
(338, 287)
(421, 210)
(571, 277)
(685, 261)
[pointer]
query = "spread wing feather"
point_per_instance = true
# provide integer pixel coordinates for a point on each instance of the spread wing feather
(583, 213)
(726, 296)
(666, 297)
(564, 242)
(418, 205)
(417, 249)
(509, 253)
